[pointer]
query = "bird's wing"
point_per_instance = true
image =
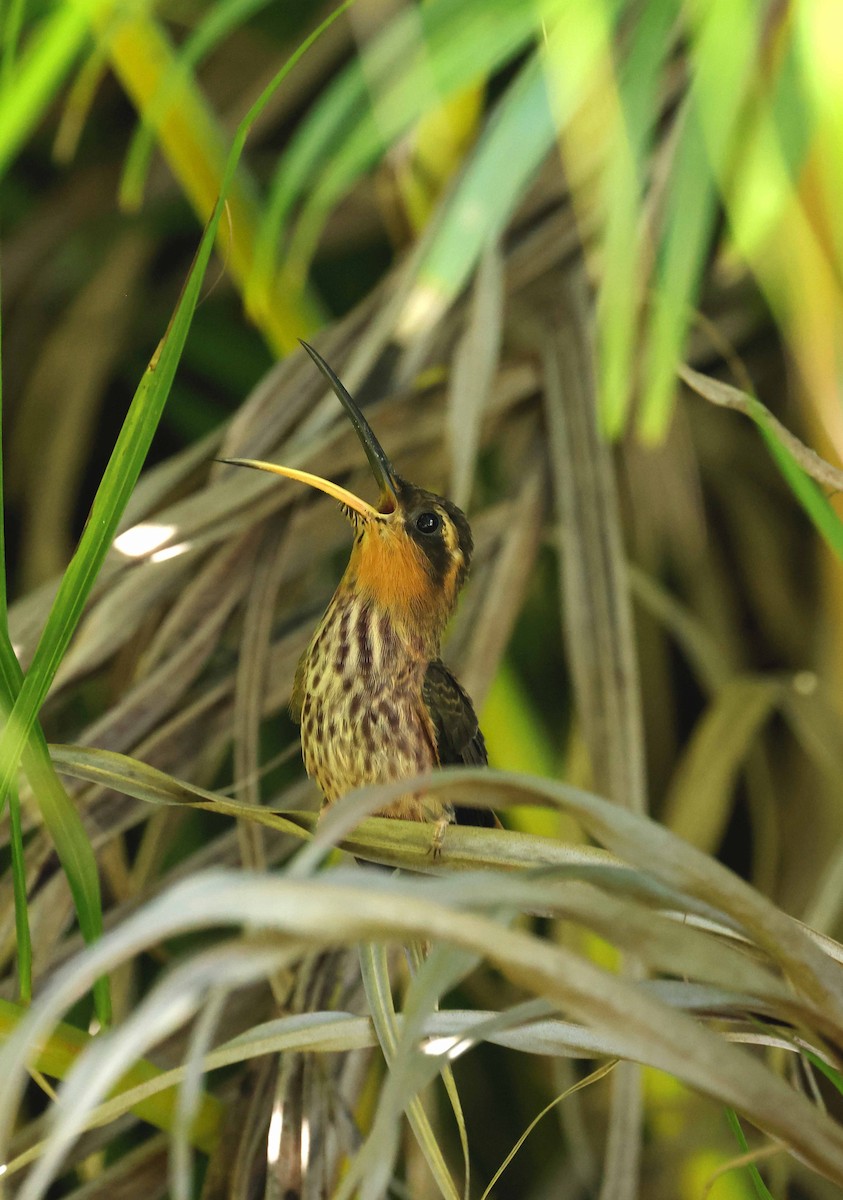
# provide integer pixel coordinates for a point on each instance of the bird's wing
(458, 737)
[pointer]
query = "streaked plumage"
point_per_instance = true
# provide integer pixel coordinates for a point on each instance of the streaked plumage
(359, 695)
(375, 701)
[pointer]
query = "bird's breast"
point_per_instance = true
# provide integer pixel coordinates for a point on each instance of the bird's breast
(363, 718)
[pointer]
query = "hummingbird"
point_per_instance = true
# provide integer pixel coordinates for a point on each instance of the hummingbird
(374, 699)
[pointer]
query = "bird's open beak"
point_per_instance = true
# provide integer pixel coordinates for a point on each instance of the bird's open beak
(380, 464)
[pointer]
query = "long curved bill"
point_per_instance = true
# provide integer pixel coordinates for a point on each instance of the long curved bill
(378, 461)
(380, 464)
(316, 481)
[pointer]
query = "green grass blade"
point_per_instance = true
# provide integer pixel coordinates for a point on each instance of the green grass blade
(57, 810)
(761, 1189)
(24, 941)
(10, 34)
(834, 1077)
(4, 600)
(808, 493)
(61, 820)
(723, 55)
(623, 269)
(22, 934)
(689, 226)
(112, 495)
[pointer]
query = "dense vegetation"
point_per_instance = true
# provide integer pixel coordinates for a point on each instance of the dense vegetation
(582, 262)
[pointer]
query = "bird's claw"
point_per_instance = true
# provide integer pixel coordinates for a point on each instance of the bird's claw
(438, 841)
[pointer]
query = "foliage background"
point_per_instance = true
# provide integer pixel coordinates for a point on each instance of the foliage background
(508, 217)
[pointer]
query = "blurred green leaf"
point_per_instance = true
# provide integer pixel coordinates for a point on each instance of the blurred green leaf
(29, 85)
(723, 58)
(143, 58)
(624, 243)
(689, 223)
(11, 22)
(411, 67)
(520, 132)
(78, 104)
(513, 729)
(67, 1043)
(217, 22)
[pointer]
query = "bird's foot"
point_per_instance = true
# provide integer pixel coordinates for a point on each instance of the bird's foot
(439, 828)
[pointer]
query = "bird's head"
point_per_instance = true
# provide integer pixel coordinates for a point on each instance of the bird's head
(412, 552)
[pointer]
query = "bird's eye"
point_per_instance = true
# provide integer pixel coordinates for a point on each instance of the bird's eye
(428, 522)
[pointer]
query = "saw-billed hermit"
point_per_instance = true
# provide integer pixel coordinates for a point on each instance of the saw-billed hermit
(375, 702)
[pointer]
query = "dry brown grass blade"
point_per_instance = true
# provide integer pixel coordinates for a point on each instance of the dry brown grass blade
(597, 620)
(504, 587)
(140, 1172)
(708, 659)
(473, 371)
(218, 589)
(597, 615)
(811, 711)
(92, 335)
(700, 798)
(622, 1163)
(338, 908)
(683, 867)
(251, 681)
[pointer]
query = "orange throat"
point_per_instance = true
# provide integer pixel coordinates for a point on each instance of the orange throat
(389, 572)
